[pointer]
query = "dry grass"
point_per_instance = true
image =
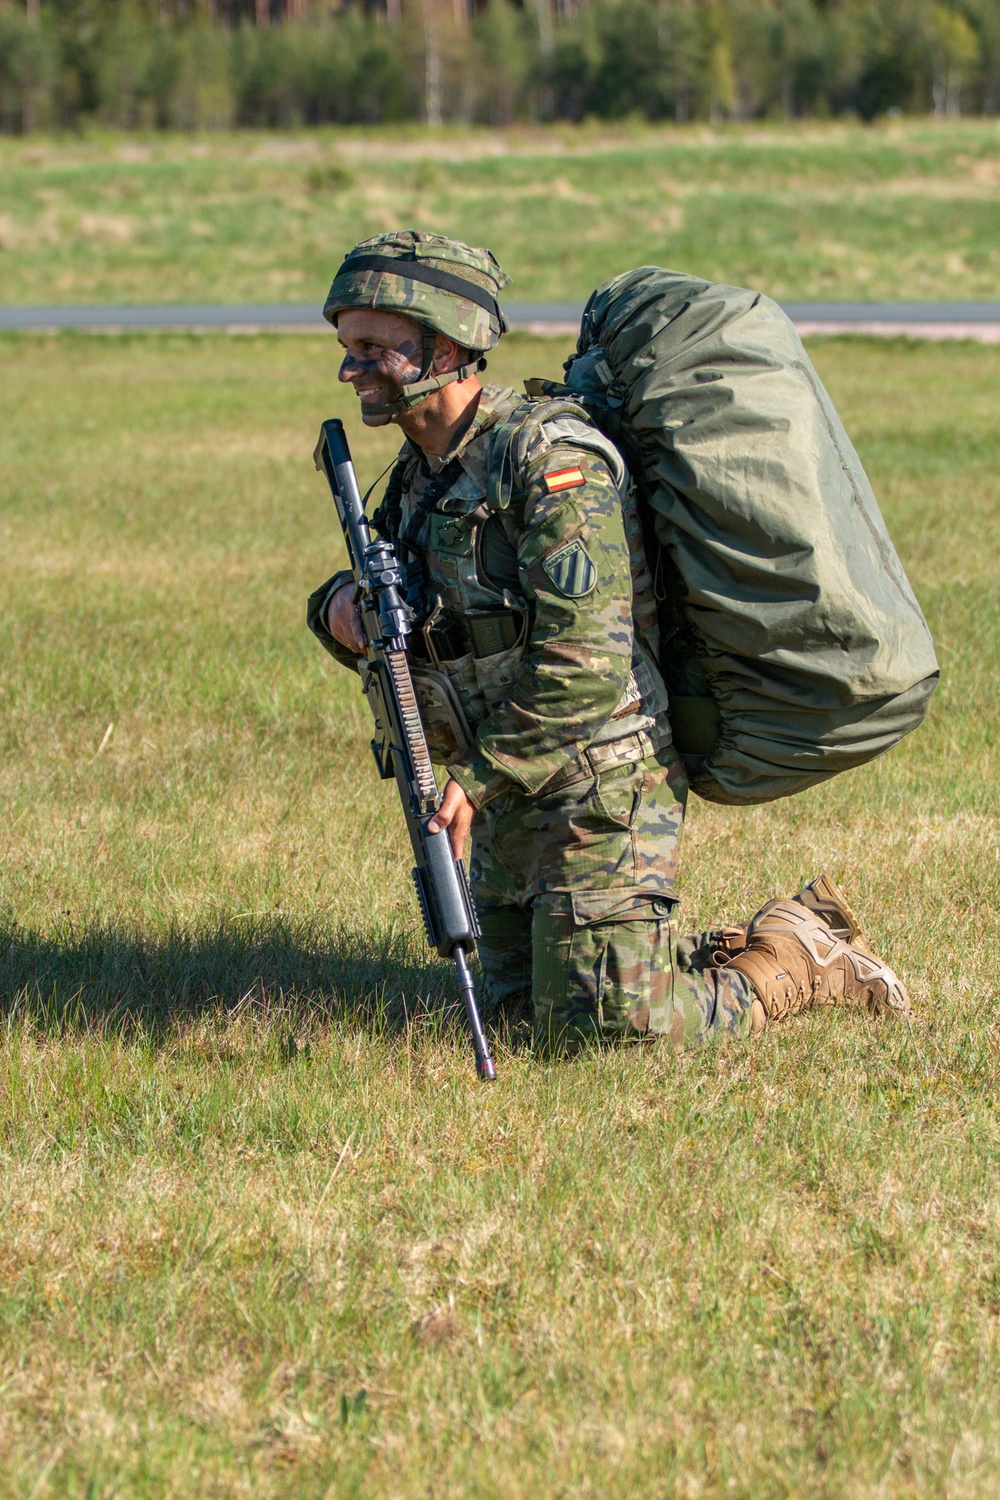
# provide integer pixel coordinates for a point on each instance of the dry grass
(906, 209)
(263, 1233)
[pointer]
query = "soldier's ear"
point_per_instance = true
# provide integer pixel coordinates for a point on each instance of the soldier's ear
(447, 355)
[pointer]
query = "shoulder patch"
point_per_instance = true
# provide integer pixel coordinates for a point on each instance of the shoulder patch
(571, 570)
(563, 479)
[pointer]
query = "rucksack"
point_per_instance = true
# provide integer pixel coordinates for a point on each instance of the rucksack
(792, 645)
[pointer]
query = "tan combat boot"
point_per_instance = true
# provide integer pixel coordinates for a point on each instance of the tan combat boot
(822, 896)
(795, 962)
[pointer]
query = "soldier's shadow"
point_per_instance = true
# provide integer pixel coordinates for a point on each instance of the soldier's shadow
(294, 972)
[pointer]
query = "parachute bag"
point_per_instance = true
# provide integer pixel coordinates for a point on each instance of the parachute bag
(791, 642)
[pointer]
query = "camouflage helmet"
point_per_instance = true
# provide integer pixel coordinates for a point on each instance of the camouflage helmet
(446, 286)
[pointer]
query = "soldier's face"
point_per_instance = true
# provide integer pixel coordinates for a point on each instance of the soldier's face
(383, 352)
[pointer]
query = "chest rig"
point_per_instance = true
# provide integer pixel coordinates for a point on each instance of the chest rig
(458, 555)
(457, 535)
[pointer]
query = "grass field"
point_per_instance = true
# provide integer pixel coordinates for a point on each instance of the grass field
(907, 210)
(262, 1232)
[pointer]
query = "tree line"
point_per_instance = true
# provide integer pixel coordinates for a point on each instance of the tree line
(207, 64)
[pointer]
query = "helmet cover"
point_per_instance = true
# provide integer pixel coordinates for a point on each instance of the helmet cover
(441, 283)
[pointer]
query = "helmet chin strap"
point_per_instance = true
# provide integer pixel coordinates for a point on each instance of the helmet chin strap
(426, 384)
(421, 389)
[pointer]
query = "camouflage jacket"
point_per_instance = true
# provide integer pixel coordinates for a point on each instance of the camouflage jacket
(522, 555)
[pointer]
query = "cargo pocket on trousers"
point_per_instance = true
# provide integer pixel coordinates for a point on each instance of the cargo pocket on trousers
(622, 950)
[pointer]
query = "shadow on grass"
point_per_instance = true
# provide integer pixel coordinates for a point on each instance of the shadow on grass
(106, 976)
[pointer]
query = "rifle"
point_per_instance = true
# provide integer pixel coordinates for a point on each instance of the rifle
(400, 746)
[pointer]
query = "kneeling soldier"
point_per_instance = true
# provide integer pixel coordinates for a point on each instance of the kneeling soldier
(536, 667)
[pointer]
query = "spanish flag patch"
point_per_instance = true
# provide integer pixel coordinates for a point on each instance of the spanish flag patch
(563, 479)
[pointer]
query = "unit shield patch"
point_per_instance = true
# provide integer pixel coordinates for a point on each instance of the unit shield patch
(571, 570)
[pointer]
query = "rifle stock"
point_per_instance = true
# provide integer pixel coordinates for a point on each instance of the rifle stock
(400, 744)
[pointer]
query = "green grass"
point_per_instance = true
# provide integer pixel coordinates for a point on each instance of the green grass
(839, 211)
(262, 1232)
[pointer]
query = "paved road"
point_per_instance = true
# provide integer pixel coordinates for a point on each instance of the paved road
(979, 320)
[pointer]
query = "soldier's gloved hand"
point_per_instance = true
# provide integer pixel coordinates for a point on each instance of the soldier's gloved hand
(456, 814)
(343, 620)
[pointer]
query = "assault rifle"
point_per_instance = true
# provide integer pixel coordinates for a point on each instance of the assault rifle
(400, 745)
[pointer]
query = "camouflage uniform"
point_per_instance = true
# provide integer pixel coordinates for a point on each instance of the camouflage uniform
(536, 673)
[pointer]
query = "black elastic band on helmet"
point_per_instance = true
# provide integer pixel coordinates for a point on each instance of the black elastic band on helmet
(414, 270)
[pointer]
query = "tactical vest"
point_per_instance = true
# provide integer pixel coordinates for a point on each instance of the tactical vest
(458, 544)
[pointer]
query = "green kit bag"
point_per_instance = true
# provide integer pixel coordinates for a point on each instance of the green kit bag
(791, 642)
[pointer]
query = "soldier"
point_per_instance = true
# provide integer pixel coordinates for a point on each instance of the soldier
(536, 667)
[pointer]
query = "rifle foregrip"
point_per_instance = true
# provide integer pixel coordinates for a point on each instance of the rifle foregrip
(445, 900)
(426, 908)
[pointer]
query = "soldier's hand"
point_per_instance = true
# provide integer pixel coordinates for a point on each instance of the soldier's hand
(343, 620)
(456, 814)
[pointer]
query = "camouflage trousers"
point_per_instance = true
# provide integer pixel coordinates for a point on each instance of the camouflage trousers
(575, 894)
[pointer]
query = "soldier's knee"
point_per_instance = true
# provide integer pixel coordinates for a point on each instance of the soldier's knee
(602, 967)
